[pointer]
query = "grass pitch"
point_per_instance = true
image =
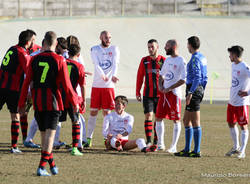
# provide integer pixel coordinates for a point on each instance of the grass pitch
(100, 166)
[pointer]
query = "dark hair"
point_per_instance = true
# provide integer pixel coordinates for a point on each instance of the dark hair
(31, 31)
(24, 37)
(72, 40)
(194, 41)
(50, 37)
(74, 49)
(62, 42)
(122, 99)
(237, 50)
(152, 41)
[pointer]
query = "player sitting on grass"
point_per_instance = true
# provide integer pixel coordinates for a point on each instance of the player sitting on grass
(118, 125)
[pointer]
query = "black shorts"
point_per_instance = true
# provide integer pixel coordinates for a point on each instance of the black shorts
(10, 98)
(196, 99)
(73, 116)
(47, 119)
(150, 104)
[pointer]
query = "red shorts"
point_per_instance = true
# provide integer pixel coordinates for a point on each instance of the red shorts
(169, 106)
(237, 114)
(102, 98)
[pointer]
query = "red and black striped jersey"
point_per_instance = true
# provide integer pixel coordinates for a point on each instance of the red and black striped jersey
(77, 76)
(46, 72)
(13, 67)
(149, 69)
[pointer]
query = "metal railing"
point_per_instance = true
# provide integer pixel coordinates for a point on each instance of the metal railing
(21, 8)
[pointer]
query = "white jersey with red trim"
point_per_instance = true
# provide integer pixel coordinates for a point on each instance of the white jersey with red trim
(240, 81)
(115, 124)
(173, 70)
(106, 64)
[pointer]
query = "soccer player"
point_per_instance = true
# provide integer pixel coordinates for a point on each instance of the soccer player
(237, 109)
(105, 58)
(12, 70)
(47, 71)
(118, 125)
(149, 69)
(77, 76)
(24, 119)
(195, 87)
(172, 76)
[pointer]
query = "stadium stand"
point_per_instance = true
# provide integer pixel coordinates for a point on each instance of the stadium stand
(38, 8)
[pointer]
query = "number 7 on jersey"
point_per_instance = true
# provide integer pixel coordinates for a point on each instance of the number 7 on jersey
(45, 71)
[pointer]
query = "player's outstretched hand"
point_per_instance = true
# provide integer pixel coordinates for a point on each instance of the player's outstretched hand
(138, 98)
(115, 79)
(21, 111)
(242, 93)
(88, 73)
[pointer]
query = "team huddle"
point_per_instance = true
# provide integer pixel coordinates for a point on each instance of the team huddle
(52, 78)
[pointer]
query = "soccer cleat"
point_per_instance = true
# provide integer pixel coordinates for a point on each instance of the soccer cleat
(15, 150)
(88, 143)
(54, 170)
(182, 153)
(161, 148)
(76, 152)
(152, 148)
(118, 145)
(232, 152)
(59, 145)
(194, 155)
(171, 150)
(42, 172)
(30, 144)
(241, 155)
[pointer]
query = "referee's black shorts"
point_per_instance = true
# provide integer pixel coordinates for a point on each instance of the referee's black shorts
(196, 99)
(150, 104)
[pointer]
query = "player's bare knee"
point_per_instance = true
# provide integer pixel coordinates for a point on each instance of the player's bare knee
(15, 117)
(244, 127)
(149, 116)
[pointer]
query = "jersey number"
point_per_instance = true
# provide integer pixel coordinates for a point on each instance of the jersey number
(69, 69)
(6, 59)
(45, 71)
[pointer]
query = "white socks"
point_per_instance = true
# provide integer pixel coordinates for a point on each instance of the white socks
(244, 139)
(58, 130)
(32, 130)
(83, 128)
(235, 137)
(176, 135)
(160, 132)
(91, 126)
(141, 143)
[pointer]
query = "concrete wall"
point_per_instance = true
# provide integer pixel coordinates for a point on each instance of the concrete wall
(132, 34)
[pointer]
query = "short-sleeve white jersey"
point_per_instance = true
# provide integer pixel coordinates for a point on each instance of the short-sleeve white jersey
(240, 81)
(106, 62)
(173, 70)
(115, 124)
